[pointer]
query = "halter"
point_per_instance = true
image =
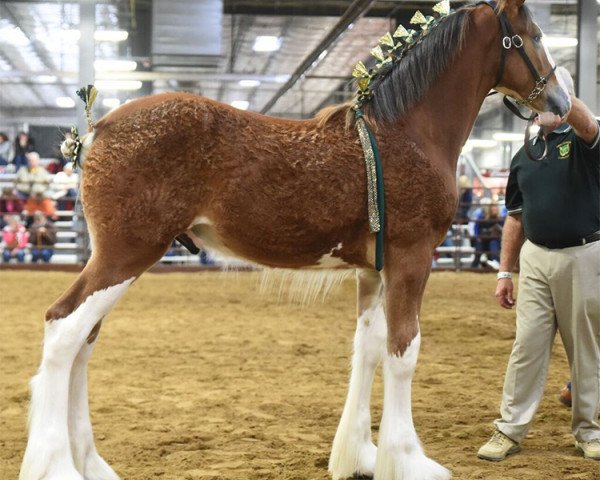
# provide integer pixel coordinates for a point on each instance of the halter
(509, 40)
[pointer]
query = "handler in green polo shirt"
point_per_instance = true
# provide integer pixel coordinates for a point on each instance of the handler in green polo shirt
(554, 222)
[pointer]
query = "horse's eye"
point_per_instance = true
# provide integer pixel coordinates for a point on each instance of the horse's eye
(537, 38)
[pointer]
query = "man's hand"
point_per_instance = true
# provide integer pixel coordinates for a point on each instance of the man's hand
(504, 293)
(548, 120)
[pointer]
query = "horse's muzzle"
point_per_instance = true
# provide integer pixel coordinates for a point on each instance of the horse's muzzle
(558, 102)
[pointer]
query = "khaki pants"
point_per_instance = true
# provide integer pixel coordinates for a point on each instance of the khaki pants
(558, 289)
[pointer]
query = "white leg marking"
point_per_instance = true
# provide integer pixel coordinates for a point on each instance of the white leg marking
(86, 458)
(353, 450)
(400, 455)
(48, 454)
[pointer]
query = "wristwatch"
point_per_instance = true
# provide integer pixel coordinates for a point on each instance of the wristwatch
(503, 275)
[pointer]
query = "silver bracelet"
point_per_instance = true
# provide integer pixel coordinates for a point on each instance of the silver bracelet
(503, 275)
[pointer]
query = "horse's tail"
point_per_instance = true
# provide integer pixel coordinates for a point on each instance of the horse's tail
(76, 146)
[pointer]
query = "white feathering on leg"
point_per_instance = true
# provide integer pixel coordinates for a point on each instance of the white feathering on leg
(48, 454)
(400, 455)
(86, 458)
(353, 451)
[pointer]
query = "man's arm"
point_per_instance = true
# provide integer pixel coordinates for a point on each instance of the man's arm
(583, 122)
(512, 240)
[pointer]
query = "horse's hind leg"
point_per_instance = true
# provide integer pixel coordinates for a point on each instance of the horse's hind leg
(353, 451)
(58, 396)
(86, 458)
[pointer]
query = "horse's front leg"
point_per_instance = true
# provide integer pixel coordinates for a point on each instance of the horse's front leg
(353, 451)
(400, 455)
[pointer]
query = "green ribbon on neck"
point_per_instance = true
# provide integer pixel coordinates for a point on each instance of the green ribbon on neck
(375, 188)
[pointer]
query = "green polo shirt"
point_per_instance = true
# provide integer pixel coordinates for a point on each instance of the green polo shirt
(558, 198)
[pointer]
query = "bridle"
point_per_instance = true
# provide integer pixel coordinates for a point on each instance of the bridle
(512, 40)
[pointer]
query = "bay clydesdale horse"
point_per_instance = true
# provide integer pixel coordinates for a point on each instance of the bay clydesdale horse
(289, 194)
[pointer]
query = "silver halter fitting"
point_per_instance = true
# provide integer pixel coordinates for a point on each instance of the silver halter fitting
(514, 41)
(540, 85)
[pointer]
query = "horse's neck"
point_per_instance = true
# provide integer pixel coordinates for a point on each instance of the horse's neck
(442, 121)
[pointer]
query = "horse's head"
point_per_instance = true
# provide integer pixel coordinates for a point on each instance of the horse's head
(527, 71)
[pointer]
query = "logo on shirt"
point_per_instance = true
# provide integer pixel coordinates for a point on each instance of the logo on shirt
(564, 149)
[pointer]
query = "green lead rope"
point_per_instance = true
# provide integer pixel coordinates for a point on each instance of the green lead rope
(375, 188)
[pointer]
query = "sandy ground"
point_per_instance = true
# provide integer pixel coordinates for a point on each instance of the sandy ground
(196, 376)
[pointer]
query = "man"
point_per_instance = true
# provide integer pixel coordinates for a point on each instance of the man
(554, 208)
(32, 179)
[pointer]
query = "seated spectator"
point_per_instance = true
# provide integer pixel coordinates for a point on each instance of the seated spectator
(33, 178)
(465, 199)
(42, 236)
(39, 202)
(65, 184)
(24, 144)
(487, 232)
(4, 149)
(14, 239)
(54, 166)
(10, 203)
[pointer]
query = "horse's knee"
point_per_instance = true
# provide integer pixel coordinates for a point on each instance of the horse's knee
(400, 340)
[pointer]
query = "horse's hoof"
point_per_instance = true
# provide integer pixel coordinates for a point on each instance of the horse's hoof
(361, 476)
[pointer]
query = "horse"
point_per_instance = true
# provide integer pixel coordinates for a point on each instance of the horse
(289, 194)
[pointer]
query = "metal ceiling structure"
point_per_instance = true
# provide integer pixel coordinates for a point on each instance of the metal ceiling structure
(208, 47)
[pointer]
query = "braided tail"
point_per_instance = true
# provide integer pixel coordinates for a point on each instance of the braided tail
(73, 148)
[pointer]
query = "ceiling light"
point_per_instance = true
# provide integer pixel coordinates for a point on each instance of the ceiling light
(266, 43)
(45, 78)
(560, 42)
(115, 65)
(481, 143)
(110, 35)
(65, 102)
(282, 78)
(249, 83)
(111, 102)
(508, 137)
(240, 104)
(118, 84)
(70, 35)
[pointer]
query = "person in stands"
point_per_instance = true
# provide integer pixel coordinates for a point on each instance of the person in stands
(38, 202)
(14, 239)
(24, 144)
(64, 186)
(42, 236)
(4, 149)
(33, 178)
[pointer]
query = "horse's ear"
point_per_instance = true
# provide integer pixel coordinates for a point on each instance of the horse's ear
(513, 6)
(514, 3)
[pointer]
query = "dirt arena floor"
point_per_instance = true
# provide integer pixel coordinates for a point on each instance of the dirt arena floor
(197, 376)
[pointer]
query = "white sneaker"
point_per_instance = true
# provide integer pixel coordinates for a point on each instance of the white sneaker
(498, 447)
(494, 264)
(589, 449)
